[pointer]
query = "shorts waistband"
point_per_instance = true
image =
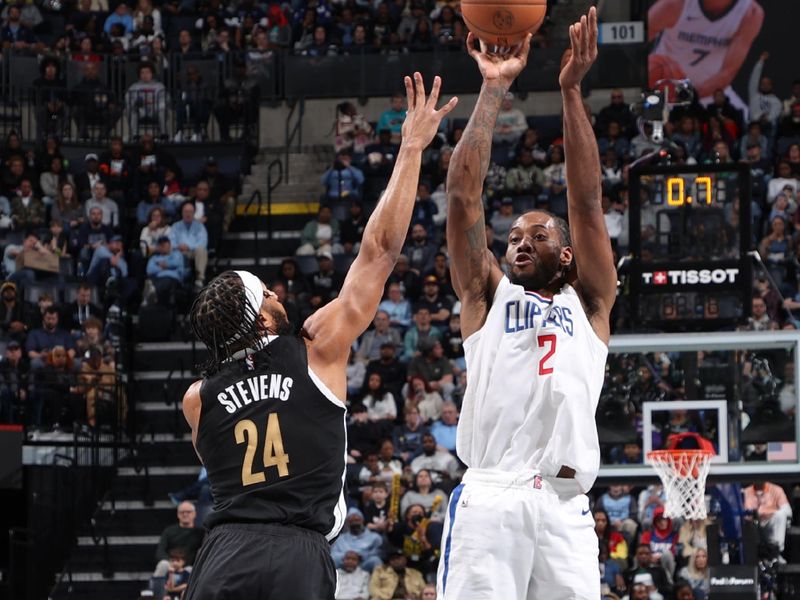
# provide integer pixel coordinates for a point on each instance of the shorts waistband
(525, 480)
(273, 529)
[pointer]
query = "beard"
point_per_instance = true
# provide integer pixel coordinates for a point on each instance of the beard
(541, 277)
(282, 326)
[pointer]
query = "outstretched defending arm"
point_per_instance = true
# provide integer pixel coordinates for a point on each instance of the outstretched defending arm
(475, 273)
(597, 276)
(334, 328)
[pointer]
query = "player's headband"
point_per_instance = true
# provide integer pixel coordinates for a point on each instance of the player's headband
(253, 290)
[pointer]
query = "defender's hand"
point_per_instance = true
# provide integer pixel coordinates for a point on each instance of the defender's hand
(422, 119)
(497, 68)
(583, 52)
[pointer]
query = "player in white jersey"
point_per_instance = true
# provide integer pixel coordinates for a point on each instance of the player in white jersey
(519, 527)
(709, 39)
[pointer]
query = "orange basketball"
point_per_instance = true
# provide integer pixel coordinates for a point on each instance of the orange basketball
(660, 66)
(503, 22)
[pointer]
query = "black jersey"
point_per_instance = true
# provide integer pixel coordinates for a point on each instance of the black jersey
(272, 437)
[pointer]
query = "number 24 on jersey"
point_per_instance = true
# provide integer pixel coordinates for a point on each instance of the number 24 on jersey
(274, 454)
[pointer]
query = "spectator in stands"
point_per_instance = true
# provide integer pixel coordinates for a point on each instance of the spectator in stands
(91, 235)
(144, 8)
(213, 209)
(85, 181)
(97, 380)
(14, 372)
(418, 334)
(107, 206)
(650, 499)
(14, 313)
(165, 271)
(392, 119)
(765, 106)
(425, 209)
(193, 106)
(620, 506)
(432, 499)
(91, 334)
(502, 220)
(419, 250)
(755, 136)
(421, 396)
(376, 511)
(610, 573)
(352, 228)
(696, 573)
(776, 249)
(122, 16)
(759, 169)
(380, 402)
(646, 571)
(663, 541)
(782, 182)
(442, 466)
(386, 579)
(642, 143)
(357, 538)
(397, 309)
(789, 127)
(392, 371)
(555, 182)
(352, 131)
(411, 534)
(51, 99)
(613, 139)
(115, 169)
(525, 178)
(388, 463)
(191, 239)
(184, 535)
(54, 380)
(77, 312)
(26, 209)
(151, 201)
(723, 110)
(156, 228)
(342, 181)
(178, 575)
(444, 429)
(319, 235)
(434, 368)
(51, 179)
(13, 175)
(14, 33)
(408, 437)
(296, 284)
(615, 544)
(13, 255)
(408, 280)
(772, 510)
(373, 339)
(437, 303)
(44, 339)
(108, 264)
(146, 101)
(511, 122)
(618, 110)
(352, 580)
(325, 282)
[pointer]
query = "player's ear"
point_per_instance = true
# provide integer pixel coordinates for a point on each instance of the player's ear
(566, 257)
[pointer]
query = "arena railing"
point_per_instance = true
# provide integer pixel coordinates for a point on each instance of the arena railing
(742, 385)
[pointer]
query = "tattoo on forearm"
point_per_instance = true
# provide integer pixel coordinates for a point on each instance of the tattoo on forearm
(476, 236)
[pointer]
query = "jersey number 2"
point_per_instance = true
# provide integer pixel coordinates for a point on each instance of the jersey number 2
(550, 341)
(274, 456)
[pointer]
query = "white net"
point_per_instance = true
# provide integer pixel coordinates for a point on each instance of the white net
(683, 473)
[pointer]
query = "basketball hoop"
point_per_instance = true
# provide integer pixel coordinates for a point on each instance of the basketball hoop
(683, 472)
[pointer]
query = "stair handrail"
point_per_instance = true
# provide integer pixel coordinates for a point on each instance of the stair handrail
(272, 185)
(294, 131)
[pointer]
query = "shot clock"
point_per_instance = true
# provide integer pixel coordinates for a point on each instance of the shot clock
(689, 238)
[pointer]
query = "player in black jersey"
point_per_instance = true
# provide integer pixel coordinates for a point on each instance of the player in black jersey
(268, 420)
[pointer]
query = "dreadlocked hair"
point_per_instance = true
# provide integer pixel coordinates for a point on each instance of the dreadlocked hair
(223, 319)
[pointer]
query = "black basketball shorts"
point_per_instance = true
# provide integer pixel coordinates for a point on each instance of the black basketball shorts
(262, 562)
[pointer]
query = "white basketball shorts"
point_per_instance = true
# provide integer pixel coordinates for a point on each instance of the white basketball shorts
(513, 537)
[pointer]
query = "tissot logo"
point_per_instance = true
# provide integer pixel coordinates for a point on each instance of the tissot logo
(690, 276)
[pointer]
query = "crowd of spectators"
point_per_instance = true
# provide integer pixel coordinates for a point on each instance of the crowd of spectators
(84, 244)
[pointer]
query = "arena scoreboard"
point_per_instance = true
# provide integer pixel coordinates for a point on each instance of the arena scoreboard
(689, 239)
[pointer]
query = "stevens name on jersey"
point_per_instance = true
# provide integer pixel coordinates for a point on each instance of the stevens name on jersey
(253, 389)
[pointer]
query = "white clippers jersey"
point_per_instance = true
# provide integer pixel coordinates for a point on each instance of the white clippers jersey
(535, 372)
(698, 44)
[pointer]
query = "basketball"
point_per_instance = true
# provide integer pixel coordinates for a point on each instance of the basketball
(661, 67)
(503, 23)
